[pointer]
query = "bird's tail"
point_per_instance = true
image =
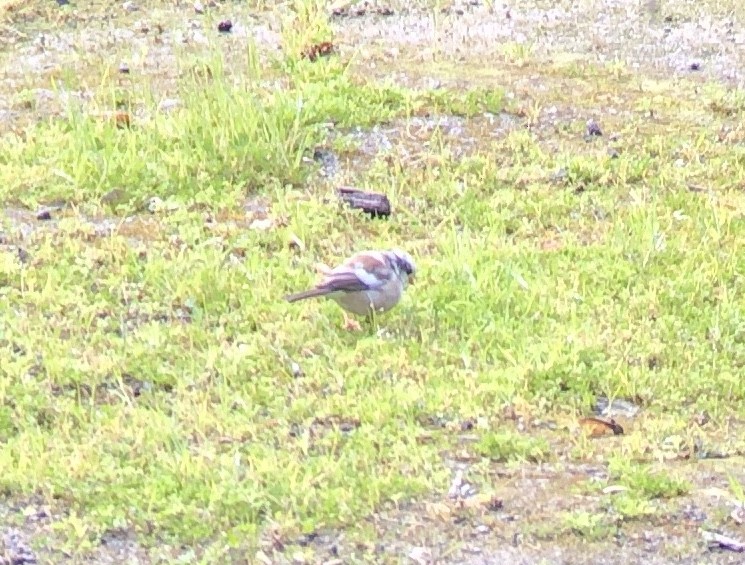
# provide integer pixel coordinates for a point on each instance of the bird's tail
(312, 293)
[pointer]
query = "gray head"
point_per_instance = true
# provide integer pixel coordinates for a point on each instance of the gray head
(404, 262)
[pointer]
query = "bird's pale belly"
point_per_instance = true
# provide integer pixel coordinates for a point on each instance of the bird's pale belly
(362, 302)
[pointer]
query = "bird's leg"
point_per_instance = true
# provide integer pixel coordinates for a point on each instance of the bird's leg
(372, 321)
(350, 324)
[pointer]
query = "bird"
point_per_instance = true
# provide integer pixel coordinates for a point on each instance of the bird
(365, 284)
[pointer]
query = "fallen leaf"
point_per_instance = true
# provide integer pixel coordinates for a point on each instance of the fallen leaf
(599, 427)
(119, 118)
(373, 203)
(439, 510)
(612, 489)
(486, 501)
(723, 542)
(323, 49)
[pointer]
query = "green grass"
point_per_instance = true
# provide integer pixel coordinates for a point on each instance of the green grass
(645, 482)
(148, 375)
(588, 526)
(507, 447)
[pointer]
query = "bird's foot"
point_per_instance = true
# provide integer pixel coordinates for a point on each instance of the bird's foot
(351, 325)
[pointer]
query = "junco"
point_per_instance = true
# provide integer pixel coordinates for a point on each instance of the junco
(367, 282)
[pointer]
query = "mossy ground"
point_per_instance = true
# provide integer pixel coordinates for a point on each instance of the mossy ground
(158, 398)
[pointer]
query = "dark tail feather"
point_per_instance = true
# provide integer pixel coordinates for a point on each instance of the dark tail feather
(312, 293)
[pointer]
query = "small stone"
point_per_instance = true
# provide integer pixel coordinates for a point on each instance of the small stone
(169, 104)
(613, 153)
(328, 160)
(199, 7)
(23, 255)
(114, 196)
(62, 2)
(467, 425)
(124, 69)
(198, 38)
(155, 204)
(421, 556)
(262, 557)
(225, 26)
(593, 129)
(296, 370)
(617, 407)
(15, 549)
(456, 484)
(261, 224)
(130, 6)
(45, 214)
(296, 243)
(467, 491)
(559, 175)
(695, 66)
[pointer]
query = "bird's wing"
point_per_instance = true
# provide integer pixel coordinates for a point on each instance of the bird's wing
(351, 280)
(372, 267)
(363, 271)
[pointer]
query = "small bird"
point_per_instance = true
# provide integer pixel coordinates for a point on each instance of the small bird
(367, 283)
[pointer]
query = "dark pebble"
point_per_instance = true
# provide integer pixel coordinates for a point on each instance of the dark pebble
(559, 175)
(16, 550)
(225, 26)
(23, 255)
(467, 425)
(593, 128)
